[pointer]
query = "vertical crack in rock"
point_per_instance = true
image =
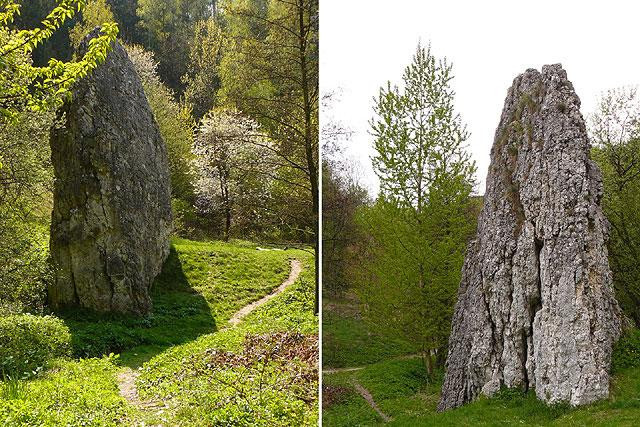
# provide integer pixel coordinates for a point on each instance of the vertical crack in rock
(112, 213)
(536, 307)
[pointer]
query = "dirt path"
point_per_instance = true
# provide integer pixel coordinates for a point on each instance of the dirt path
(296, 268)
(127, 376)
(367, 396)
(127, 385)
(359, 368)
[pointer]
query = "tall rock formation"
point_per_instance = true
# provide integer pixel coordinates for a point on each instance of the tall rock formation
(536, 306)
(112, 213)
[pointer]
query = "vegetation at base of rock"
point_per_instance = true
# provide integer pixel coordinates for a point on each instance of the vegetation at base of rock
(626, 353)
(29, 342)
(403, 390)
(201, 285)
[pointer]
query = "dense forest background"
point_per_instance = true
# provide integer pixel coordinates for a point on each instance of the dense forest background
(233, 85)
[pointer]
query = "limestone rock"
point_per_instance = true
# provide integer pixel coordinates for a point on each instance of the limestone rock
(112, 212)
(536, 306)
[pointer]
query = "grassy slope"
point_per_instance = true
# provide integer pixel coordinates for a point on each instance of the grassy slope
(347, 341)
(401, 390)
(202, 285)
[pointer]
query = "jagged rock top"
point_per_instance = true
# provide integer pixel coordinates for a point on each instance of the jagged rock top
(536, 308)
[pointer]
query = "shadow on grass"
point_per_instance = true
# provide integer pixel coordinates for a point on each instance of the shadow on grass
(180, 314)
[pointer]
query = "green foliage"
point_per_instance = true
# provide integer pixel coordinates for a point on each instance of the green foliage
(349, 341)
(626, 352)
(202, 79)
(416, 232)
(269, 71)
(169, 26)
(174, 120)
(26, 179)
(96, 13)
(615, 131)
(342, 196)
(24, 87)
(29, 342)
(73, 393)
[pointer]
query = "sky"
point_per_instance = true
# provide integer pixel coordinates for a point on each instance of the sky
(365, 43)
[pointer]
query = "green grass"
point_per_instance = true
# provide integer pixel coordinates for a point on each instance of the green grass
(71, 393)
(197, 390)
(401, 389)
(348, 341)
(201, 286)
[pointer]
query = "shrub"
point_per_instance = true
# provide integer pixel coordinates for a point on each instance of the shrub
(28, 342)
(626, 353)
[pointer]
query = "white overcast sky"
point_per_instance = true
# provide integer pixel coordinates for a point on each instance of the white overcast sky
(364, 43)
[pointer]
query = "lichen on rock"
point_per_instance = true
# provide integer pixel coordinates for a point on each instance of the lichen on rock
(536, 306)
(112, 213)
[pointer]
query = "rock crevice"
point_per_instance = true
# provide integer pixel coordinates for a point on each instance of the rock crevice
(536, 307)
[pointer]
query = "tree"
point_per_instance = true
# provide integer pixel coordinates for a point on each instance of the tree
(231, 162)
(128, 20)
(95, 14)
(169, 25)
(202, 79)
(420, 223)
(269, 71)
(174, 120)
(25, 87)
(615, 132)
(342, 197)
(26, 180)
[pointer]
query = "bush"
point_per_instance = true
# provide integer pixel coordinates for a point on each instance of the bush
(29, 342)
(626, 353)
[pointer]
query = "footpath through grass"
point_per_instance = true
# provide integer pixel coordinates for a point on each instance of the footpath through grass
(402, 391)
(196, 368)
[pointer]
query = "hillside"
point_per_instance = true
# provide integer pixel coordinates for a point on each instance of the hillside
(186, 364)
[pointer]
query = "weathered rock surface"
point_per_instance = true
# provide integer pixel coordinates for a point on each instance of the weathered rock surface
(112, 212)
(536, 307)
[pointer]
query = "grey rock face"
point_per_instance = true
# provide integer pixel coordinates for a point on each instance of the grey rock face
(536, 307)
(112, 211)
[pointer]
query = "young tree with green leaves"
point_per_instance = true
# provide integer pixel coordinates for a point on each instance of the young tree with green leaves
(25, 87)
(419, 226)
(202, 79)
(615, 132)
(95, 14)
